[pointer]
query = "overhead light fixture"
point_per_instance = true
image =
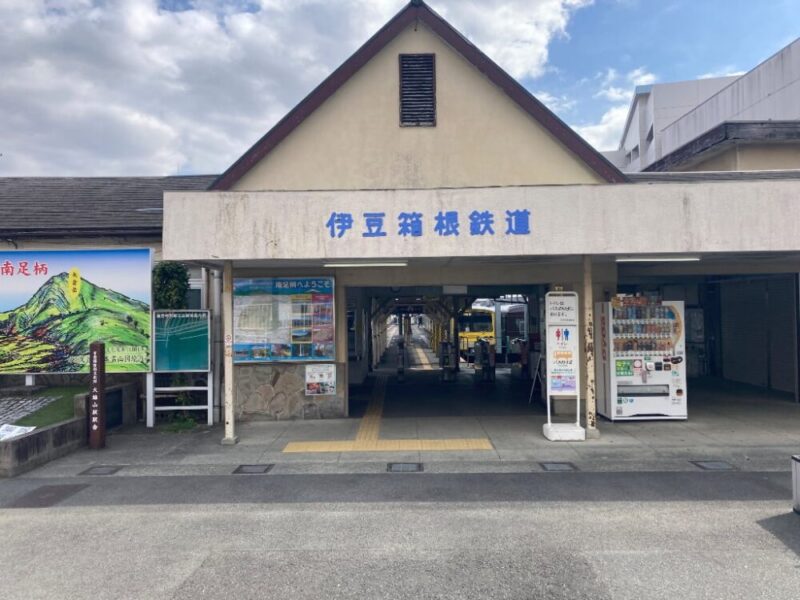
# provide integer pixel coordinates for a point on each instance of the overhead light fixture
(642, 259)
(372, 264)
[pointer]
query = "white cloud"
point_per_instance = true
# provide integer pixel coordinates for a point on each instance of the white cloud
(617, 88)
(614, 94)
(640, 76)
(558, 104)
(122, 87)
(515, 33)
(606, 134)
(726, 71)
(607, 77)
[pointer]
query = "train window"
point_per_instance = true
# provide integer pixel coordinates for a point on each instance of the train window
(476, 323)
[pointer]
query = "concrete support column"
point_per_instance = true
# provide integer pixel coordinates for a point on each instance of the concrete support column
(381, 345)
(361, 329)
(227, 329)
(379, 328)
(588, 339)
(340, 335)
(374, 333)
(456, 304)
(217, 348)
(361, 367)
(340, 301)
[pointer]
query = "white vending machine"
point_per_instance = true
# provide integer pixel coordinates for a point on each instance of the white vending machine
(641, 359)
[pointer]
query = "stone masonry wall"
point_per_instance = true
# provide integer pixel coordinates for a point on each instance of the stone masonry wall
(277, 392)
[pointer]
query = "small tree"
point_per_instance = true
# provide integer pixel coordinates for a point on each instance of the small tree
(170, 286)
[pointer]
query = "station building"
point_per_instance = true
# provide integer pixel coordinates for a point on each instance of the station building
(420, 121)
(420, 176)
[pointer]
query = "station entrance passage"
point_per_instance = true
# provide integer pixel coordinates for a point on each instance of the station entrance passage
(415, 410)
(421, 392)
(448, 357)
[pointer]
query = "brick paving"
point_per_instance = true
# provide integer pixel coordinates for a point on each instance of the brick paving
(13, 408)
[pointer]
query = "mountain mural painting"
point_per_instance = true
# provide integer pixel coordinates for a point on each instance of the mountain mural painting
(75, 304)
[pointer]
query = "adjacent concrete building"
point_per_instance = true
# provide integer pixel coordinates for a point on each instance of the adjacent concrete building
(745, 123)
(653, 108)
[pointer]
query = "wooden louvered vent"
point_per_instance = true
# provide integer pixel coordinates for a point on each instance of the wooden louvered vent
(417, 90)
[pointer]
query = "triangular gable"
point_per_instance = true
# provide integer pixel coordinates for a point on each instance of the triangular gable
(417, 10)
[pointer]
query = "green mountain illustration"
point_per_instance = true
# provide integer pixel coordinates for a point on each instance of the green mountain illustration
(52, 331)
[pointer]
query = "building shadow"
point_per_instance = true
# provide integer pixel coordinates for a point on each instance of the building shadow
(786, 528)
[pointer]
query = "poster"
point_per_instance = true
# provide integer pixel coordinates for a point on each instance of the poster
(287, 319)
(54, 303)
(563, 358)
(182, 340)
(320, 380)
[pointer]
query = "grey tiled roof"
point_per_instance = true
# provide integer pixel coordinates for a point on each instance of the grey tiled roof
(55, 206)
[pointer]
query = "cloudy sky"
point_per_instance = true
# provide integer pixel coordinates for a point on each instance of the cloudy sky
(155, 87)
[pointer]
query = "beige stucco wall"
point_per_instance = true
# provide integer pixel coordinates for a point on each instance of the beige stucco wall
(724, 161)
(759, 157)
(751, 157)
(354, 140)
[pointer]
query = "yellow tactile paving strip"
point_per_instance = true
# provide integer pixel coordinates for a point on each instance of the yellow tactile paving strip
(421, 360)
(371, 422)
(390, 445)
(367, 438)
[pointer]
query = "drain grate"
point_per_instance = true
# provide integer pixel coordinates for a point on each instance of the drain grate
(46, 495)
(558, 466)
(713, 465)
(253, 469)
(100, 470)
(404, 467)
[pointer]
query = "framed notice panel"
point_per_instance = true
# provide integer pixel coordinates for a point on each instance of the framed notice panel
(320, 380)
(182, 340)
(286, 319)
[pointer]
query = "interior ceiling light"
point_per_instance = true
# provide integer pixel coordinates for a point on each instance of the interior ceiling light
(642, 259)
(372, 264)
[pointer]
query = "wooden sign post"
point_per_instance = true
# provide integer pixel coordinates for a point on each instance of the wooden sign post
(97, 396)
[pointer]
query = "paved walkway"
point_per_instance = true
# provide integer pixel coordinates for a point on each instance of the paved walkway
(749, 431)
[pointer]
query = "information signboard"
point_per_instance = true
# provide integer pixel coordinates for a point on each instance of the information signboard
(287, 319)
(182, 340)
(54, 303)
(563, 358)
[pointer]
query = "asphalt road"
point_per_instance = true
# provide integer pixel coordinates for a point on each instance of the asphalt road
(538, 535)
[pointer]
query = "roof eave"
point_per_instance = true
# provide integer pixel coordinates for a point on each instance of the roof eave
(13, 234)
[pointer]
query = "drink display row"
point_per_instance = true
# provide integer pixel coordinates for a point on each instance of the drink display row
(663, 328)
(631, 346)
(642, 312)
